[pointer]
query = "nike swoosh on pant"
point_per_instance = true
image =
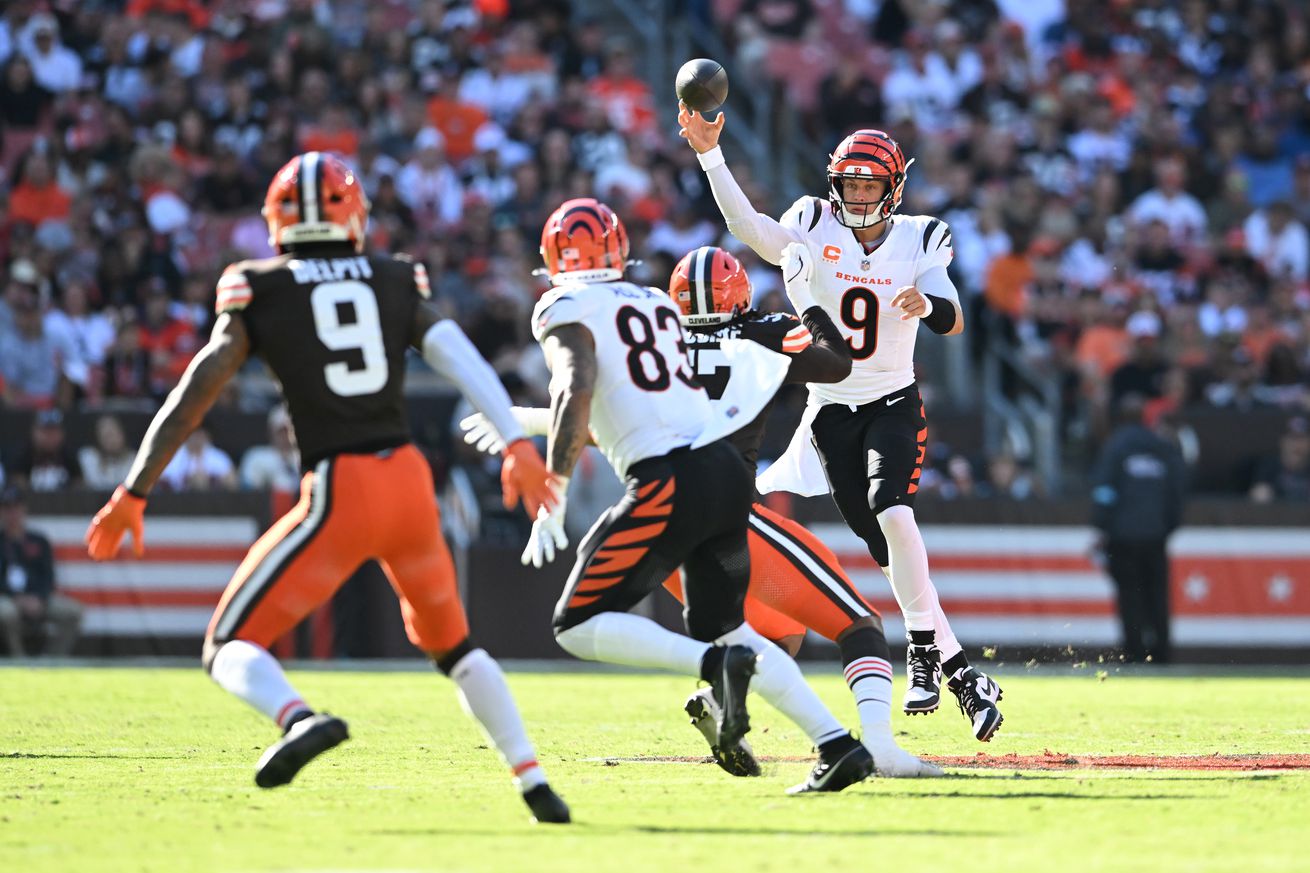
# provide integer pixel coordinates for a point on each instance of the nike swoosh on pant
(894, 400)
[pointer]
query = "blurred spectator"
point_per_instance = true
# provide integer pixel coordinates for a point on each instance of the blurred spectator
(200, 466)
(275, 466)
(848, 100)
(1278, 241)
(1286, 475)
(1137, 503)
(105, 464)
(1168, 202)
(46, 462)
(167, 340)
(428, 185)
(37, 197)
(1143, 373)
(28, 599)
(127, 365)
(24, 107)
(1009, 480)
(32, 362)
(54, 66)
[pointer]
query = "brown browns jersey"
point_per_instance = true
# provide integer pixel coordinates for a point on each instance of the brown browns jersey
(333, 326)
(776, 331)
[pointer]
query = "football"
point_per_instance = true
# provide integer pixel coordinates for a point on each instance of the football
(702, 84)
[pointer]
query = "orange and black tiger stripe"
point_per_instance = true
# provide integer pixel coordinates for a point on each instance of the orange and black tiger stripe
(627, 542)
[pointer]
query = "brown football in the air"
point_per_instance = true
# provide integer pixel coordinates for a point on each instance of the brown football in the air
(702, 84)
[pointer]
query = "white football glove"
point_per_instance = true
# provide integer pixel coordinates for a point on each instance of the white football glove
(548, 537)
(482, 435)
(797, 270)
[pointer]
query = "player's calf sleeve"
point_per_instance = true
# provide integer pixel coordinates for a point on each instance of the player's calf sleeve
(868, 671)
(620, 638)
(908, 563)
(486, 698)
(251, 673)
(779, 681)
(942, 635)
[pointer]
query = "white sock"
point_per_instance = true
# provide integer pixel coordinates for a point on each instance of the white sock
(908, 570)
(620, 638)
(870, 680)
(251, 673)
(779, 681)
(486, 698)
(946, 641)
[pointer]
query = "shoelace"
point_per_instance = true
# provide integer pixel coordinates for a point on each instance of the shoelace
(922, 670)
(968, 698)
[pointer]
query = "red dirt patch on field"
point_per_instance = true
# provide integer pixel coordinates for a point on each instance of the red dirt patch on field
(1049, 760)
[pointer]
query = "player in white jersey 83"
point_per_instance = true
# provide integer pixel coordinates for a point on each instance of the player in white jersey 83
(620, 374)
(878, 274)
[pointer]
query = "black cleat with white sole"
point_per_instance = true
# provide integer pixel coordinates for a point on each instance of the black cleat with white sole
(731, 681)
(304, 741)
(923, 671)
(842, 762)
(547, 806)
(977, 696)
(739, 760)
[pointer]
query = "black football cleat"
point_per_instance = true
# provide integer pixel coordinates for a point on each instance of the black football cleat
(923, 671)
(739, 760)
(977, 695)
(547, 806)
(842, 762)
(305, 741)
(731, 682)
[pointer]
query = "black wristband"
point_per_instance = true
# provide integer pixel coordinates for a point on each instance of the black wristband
(137, 494)
(942, 317)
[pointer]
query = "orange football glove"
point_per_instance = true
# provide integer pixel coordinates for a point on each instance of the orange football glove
(524, 474)
(124, 512)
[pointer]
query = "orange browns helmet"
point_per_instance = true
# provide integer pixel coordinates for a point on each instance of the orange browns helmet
(867, 154)
(315, 198)
(584, 241)
(710, 286)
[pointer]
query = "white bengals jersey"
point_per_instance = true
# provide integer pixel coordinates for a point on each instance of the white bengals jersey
(857, 290)
(646, 401)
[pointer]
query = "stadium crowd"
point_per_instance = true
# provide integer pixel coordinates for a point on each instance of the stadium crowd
(1128, 184)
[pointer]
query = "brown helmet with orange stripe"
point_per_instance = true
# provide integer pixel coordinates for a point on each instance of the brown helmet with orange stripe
(709, 286)
(315, 198)
(867, 154)
(584, 241)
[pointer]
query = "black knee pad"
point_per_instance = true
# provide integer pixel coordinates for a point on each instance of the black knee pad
(864, 642)
(707, 629)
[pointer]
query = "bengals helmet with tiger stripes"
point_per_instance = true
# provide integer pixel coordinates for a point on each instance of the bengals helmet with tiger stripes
(584, 241)
(315, 198)
(867, 154)
(709, 286)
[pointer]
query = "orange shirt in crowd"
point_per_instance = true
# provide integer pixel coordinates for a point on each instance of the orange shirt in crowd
(627, 102)
(458, 122)
(1008, 279)
(1259, 342)
(35, 205)
(344, 142)
(1102, 347)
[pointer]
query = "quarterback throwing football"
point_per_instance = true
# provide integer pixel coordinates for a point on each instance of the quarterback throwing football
(863, 439)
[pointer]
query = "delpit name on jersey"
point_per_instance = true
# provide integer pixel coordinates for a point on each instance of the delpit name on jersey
(315, 270)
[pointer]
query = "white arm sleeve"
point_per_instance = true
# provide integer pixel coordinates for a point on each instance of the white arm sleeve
(766, 236)
(936, 282)
(448, 351)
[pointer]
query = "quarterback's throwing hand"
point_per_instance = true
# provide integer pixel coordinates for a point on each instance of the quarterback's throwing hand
(700, 134)
(912, 303)
(122, 514)
(547, 537)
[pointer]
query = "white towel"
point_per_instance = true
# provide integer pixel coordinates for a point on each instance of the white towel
(799, 470)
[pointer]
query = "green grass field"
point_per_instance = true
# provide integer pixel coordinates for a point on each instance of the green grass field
(151, 769)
